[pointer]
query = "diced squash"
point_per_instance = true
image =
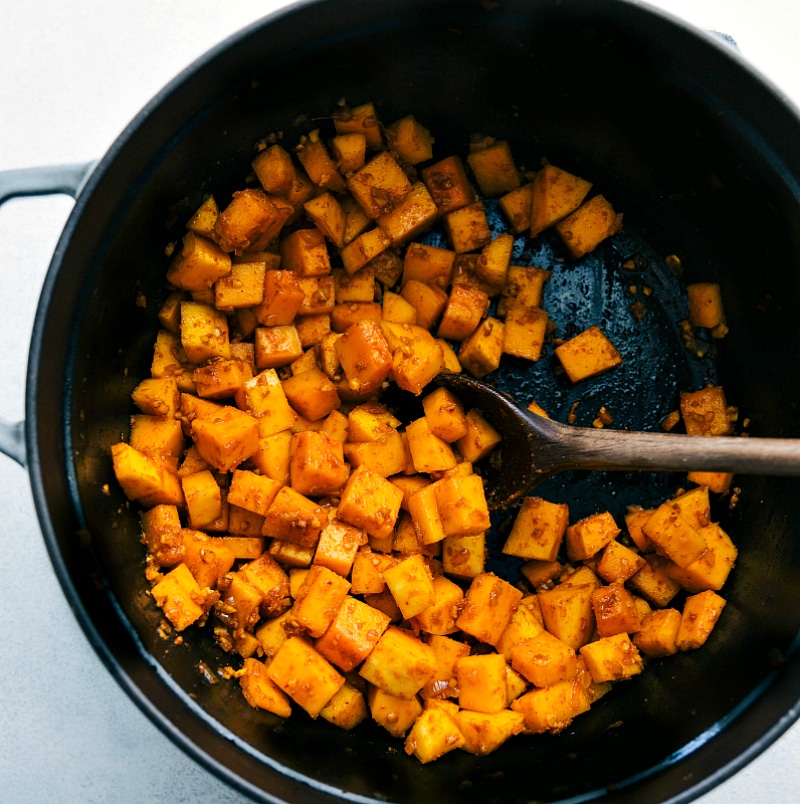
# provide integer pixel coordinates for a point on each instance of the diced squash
(226, 438)
(204, 332)
(464, 556)
(282, 299)
(448, 184)
(399, 664)
(545, 660)
(673, 536)
(516, 206)
(410, 140)
(481, 682)
(588, 354)
(493, 167)
(485, 733)
(525, 331)
(567, 612)
(462, 507)
(706, 412)
(700, 614)
(394, 714)
(440, 616)
(614, 610)
(489, 603)
(364, 355)
(261, 691)
(658, 633)
(179, 596)
(705, 305)
(538, 530)
(199, 264)
(203, 498)
(410, 217)
(370, 502)
(362, 119)
(292, 517)
(556, 193)
(318, 599)
(590, 224)
(433, 734)
(346, 709)
(161, 528)
(618, 563)
(467, 228)
(144, 478)
(590, 535)
(480, 353)
(612, 658)
(317, 466)
(464, 311)
(411, 584)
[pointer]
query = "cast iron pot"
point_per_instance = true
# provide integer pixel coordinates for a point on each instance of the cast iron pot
(704, 160)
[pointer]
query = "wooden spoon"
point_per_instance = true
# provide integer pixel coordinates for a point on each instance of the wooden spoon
(534, 448)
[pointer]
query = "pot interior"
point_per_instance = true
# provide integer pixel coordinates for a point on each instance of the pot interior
(705, 170)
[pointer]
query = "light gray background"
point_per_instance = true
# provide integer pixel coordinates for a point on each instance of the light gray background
(72, 75)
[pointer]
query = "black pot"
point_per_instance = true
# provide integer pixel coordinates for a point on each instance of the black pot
(705, 162)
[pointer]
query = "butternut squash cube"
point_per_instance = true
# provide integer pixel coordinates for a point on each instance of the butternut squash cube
(673, 536)
(467, 229)
(157, 396)
(260, 690)
(481, 437)
(350, 151)
(590, 535)
(346, 709)
(199, 264)
(204, 217)
(179, 596)
(317, 466)
(448, 184)
(353, 633)
(524, 287)
(385, 456)
(226, 438)
(447, 651)
(433, 734)
(618, 563)
(203, 498)
(326, 213)
(271, 581)
(394, 714)
(304, 252)
(208, 560)
(319, 295)
(462, 505)
(480, 353)
(700, 614)
(482, 682)
(525, 332)
(312, 394)
(444, 415)
(364, 248)
(658, 633)
(410, 140)
(283, 297)
(427, 300)
(463, 312)
(248, 216)
(158, 436)
(361, 119)
(545, 660)
(552, 709)
(399, 664)
(317, 162)
(161, 529)
(292, 517)
(411, 585)
(380, 185)
(711, 569)
(494, 261)
(417, 357)
(370, 502)
(590, 224)
(489, 603)
(204, 332)
(464, 556)
(318, 599)
(485, 733)
(705, 305)
(365, 356)
(526, 622)
(493, 167)
(516, 206)
(653, 582)
(440, 617)
(337, 547)
(220, 378)
(304, 675)
(556, 193)
(429, 453)
(429, 264)
(144, 478)
(717, 482)
(397, 310)
(705, 412)
(567, 612)
(410, 217)
(367, 574)
(425, 515)
(538, 530)
(242, 287)
(614, 610)
(587, 354)
(612, 658)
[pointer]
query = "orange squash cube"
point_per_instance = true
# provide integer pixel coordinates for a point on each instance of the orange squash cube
(204, 332)
(467, 229)
(260, 691)
(410, 217)
(555, 194)
(484, 733)
(410, 140)
(203, 498)
(464, 556)
(448, 184)
(463, 312)
(318, 599)
(144, 478)
(199, 264)
(429, 453)
(480, 353)
(282, 299)
(327, 214)
(461, 502)
(319, 166)
(612, 658)
(590, 224)
(399, 664)
(394, 714)
(618, 563)
(292, 517)
(242, 287)
(706, 412)
(587, 354)
(364, 355)
(493, 167)
(489, 603)
(246, 219)
(525, 331)
(411, 584)
(567, 612)
(370, 502)
(545, 660)
(590, 535)
(482, 682)
(698, 619)
(177, 595)
(516, 206)
(434, 733)
(226, 438)
(614, 610)
(362, 119)
(658, 633)
(538, 530)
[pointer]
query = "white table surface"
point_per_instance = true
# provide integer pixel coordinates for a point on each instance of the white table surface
(72, 75)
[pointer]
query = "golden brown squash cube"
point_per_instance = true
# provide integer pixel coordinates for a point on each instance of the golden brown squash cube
(711, 570)
(424, 512)
(434, 733)
(204, 217)
(249, 215)
(461, 502)
(364, 355)
(242, 287)
(399, 664)
(385, 456)
(394, 714)
(467, 229)
(370, 502)
(444, 415)
(705, 306)
(526, 623)
(552, 709)
(440, 617)
(361, 119)
(327, 214)
(207, 559)
(706, 412)
(275, 170)
(319, 295)
(357, 287)
(346, 709)
(493, 167)
(480, 440)
(717, 482)
(282, 299)
(555, 194)
(516, 206)
(481, 352)
(264, 398)
(614, 610)
(411, 584)
(545, 660)
(410, 140)
(199, 264)
(429, 453)
(653, 582)
(220, 378)
(658, 633)
(292, 517)
(158, 436)
(588, 226)
(204, 332)
(337, 547)
(161, 529)
(260, 690)
(587, 354)
(367, 575)
(203, 498)
(495, 259)
(144, 478)
(482, 682)
(317, 466)
(380, 185)
(410, 217)
(349, 151)
(427, 300)
(447, 651)
(590, 535)
(448, 184)
(157, 396)
(618, 563)
(673, 536)
(698, 619)
(432, 265)
(226, 437)
(343, 316)
(318, 599)
(538, 530)
(317, 162)
(463, 313)
(305, 253)
(635, 517)
(353, 633)
(312, 394)
(567, 612)
(177, 595)
(612, 658)
(363, 249)
(304, 675)
(489, 603)
(524, 286)
(525, 331)
(484, 733)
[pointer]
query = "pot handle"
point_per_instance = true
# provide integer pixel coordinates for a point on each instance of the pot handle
(47, 180)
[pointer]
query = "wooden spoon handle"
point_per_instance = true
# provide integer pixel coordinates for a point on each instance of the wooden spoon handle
(587, 448)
